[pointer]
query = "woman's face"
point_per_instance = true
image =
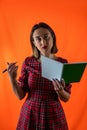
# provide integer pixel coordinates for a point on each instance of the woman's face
(43, 40)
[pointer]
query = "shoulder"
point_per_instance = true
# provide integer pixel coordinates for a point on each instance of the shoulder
(28, 60)
(63, 60)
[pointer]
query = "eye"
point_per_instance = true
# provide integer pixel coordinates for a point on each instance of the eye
(46, 37)
(38, 39)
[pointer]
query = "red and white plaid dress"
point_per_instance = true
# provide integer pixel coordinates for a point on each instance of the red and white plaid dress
(42, 109)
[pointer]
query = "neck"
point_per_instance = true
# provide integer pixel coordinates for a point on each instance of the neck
(51, 56)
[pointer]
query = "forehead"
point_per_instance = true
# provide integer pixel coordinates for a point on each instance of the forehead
(41, 32)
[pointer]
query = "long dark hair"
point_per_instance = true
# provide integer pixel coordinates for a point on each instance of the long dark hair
(36, 52)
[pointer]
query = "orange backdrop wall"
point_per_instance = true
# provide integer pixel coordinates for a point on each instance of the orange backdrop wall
(69, 21)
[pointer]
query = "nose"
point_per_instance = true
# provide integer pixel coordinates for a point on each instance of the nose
(43, 41)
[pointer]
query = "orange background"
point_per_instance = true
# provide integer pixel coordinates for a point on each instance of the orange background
(69, 21)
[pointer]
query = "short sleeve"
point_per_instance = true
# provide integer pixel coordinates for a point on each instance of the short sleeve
(23, 78)
(68, 88)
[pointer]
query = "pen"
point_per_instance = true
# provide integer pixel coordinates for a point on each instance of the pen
(4, 71)
(6, 68)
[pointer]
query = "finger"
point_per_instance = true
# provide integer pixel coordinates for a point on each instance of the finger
(63, 82)
(12, 68)
(55, 85)
(11, 65)
(15, 68)
(7, 63)
(58, 85)
(57, 82)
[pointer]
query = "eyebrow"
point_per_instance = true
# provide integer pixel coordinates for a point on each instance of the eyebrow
(40, 36)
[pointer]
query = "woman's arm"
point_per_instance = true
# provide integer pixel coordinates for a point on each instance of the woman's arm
(12, 72)
(17, 90)
(64, 96)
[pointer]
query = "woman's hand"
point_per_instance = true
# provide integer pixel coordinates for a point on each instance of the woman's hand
(59, 88)
(12, 70)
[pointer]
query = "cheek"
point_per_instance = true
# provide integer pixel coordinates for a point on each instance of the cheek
(38, 47)
(51, 43)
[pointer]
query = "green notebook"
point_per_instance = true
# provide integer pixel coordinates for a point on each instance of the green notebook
(70, 72)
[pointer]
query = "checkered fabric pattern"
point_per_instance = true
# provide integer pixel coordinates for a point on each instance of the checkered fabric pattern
(42, 110)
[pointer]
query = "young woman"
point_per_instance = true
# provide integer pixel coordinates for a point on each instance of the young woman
(42, 109)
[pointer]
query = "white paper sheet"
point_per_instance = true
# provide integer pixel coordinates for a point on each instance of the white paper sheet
(51, 69)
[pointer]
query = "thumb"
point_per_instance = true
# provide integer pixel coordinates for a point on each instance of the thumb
(63, 83)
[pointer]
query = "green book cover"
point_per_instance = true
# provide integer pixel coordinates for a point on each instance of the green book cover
(73, 72)
(70, 72)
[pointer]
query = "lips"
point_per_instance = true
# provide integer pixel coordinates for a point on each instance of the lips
(45, 47)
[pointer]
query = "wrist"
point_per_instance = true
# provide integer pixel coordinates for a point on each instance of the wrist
(13, 80)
